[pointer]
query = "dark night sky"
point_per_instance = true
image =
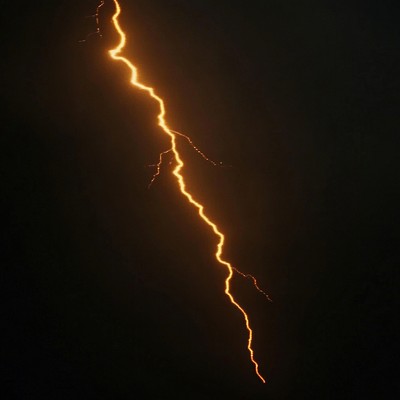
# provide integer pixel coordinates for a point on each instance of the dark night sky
(111, 290)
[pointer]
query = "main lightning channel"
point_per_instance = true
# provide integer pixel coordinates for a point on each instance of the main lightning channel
(177, 172)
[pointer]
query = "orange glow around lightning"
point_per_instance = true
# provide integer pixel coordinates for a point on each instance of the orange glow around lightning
(177, 172)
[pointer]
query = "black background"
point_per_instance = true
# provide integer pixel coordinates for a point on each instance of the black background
(111, 290)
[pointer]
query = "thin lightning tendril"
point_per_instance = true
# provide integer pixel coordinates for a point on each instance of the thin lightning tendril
(158, 166)
(96, 16)
(196, 148)
(255, 283)
(177, 172)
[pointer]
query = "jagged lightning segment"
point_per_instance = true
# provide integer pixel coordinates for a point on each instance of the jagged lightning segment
(157, 174)
(115, 54)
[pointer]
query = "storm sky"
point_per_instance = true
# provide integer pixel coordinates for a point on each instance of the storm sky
(111, 289)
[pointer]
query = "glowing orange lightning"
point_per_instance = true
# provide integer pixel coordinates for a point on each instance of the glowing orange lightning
(177, 172)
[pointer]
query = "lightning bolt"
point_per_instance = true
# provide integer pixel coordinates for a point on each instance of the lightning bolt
(177, 172)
